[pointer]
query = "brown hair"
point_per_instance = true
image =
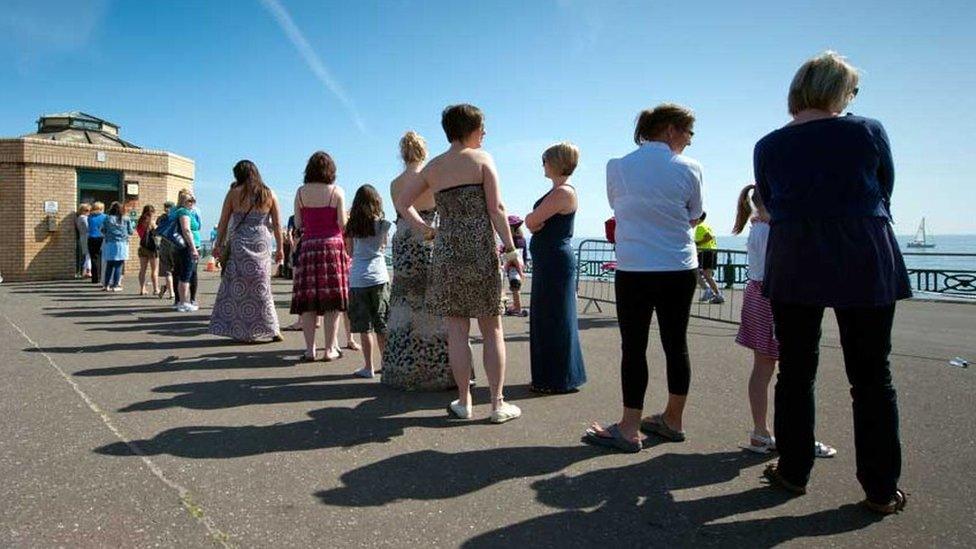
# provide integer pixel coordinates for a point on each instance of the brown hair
(749, 201)
(115, 209)
(459, 121)
(413, 147)
(651, 123)
(147, 212)
(253, 190)
(367, 208)
(320, 168)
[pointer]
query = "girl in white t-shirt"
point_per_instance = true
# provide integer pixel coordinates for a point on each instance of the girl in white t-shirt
(756, 330)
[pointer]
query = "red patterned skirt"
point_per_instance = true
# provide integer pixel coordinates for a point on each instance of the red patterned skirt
(756, 329)
(320, 281)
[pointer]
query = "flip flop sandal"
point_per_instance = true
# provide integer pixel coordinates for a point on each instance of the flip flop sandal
(655, 425)
(306, 358)
(615, 441)
(896, 504)
(292, 328)
(775, 478)
(765, 444)
(327, 358)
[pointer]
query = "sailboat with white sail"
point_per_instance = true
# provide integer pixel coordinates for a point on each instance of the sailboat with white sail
(921, 239)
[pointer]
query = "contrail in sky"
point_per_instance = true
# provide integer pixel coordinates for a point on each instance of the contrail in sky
(312, 59)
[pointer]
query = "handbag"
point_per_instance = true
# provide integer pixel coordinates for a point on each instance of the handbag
(225, 249)
(610, 230)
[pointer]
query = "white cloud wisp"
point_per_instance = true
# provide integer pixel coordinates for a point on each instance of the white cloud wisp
(312, 59)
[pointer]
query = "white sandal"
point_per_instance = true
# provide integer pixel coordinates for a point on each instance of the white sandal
(505, 412)
(765, 444)
(821, 450)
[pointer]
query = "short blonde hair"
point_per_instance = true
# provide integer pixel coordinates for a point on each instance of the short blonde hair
(84, 208)
(826, 82)
(563, 157)
(413, 147)
(98, 207)
(182, 197)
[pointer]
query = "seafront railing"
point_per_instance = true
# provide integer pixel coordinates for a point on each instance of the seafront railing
(596, 264)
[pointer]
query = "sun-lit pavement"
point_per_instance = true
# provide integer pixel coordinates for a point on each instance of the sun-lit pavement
(125, 424)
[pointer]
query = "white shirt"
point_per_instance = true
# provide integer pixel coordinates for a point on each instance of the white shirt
(655, 194)
(756, 247)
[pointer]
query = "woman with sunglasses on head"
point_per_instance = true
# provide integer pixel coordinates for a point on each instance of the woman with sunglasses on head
(826, 181)
(656, 196)
(187, 258)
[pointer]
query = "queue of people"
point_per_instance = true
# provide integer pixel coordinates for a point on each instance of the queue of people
(820, 236)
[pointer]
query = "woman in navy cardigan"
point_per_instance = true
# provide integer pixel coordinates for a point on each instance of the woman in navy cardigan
(827, 182)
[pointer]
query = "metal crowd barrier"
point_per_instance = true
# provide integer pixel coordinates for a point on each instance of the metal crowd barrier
(596, 265)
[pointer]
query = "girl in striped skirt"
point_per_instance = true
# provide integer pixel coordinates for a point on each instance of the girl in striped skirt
(756, 329)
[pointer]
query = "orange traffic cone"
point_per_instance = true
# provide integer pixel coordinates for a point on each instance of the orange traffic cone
(211, 265)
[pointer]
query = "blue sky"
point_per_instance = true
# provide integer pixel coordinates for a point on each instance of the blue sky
(275, 80)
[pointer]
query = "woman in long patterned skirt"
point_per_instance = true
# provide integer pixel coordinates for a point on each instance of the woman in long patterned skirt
(416, 357)
(244, 309)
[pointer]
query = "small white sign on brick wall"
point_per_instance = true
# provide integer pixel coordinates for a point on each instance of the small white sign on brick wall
(100, 156)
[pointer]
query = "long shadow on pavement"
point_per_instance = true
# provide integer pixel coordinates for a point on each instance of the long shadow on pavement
(376, 420)
(231, 360)
(635, 506)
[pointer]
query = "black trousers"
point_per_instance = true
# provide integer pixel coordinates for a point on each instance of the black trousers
(639, 295)
(95, 252)
(865, 336)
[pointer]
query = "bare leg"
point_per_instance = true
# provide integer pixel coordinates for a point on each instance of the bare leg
(330, 326)
(350, 342)
(308, 330)
(143, 265)
(674, 410)
(183, 292)
(494, 357)
(369, 341)
(762, 372)
(710, 279)
(517, 301)
(459, 355)
(154, 274)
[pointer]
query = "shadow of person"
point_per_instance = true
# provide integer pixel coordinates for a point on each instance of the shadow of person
(377, 420)
(215, 361)
(635, 506)
(432, 475)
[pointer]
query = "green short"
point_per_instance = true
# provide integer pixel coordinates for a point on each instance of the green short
(368, 308)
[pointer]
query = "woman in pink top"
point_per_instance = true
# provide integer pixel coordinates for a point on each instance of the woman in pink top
(320, 281)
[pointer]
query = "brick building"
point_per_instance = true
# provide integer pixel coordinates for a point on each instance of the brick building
(74, 157)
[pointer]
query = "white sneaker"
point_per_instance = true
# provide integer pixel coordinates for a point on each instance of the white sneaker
(821, 450)
(505, 412)
(192, 307)
(707, 296)
(455, 410)
(183, 308)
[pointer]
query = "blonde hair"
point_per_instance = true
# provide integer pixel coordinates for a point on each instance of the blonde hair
(413, 147)
(826, 82)
(181, 199)
(563, 157)
(84, 208)
(98, 207)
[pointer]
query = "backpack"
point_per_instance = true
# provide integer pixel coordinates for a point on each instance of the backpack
(170, 230)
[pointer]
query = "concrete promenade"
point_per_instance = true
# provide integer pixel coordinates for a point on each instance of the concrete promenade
(126, 425)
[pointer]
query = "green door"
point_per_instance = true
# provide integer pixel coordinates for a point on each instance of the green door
(99, 186)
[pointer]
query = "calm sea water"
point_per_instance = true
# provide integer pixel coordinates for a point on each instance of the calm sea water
(927, 258)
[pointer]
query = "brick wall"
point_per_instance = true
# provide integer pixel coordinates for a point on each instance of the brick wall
(33, 171)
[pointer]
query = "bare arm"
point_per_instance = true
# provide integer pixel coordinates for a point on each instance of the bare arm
(341, 209)
(409, 194)
(496, 209)
(222, 224)
(276, 227)
(188, 234)
(558, 201)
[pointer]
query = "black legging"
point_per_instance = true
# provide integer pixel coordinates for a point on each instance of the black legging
(639, 294)
(95, 253)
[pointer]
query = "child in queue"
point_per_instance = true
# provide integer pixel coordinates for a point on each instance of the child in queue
(369, 280)
(756, 329)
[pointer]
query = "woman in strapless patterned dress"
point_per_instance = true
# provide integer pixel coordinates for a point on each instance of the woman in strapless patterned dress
(465, 280)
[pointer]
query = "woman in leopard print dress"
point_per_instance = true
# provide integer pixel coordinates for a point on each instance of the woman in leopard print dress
(415, 358)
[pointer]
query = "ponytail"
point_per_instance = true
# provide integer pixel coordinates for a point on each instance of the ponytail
(743, 209)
